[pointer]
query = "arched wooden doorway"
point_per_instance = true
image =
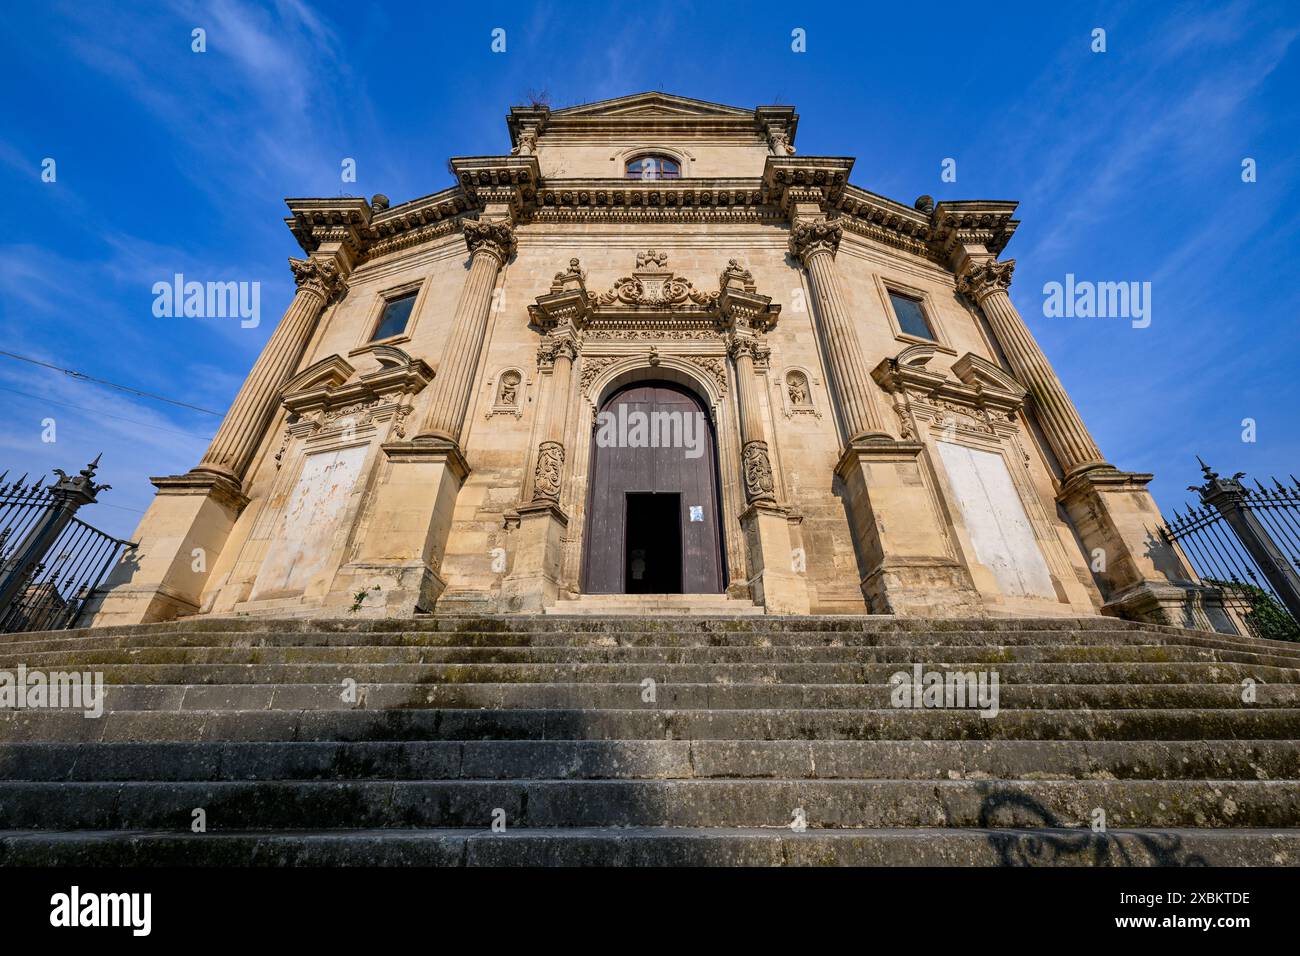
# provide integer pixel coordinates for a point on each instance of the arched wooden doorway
(653, 520)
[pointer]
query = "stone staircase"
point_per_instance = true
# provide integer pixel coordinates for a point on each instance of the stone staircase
(756, 723)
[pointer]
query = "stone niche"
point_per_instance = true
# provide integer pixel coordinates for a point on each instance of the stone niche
(299, 549)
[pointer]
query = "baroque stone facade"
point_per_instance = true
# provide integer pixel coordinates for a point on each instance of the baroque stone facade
(860, 467)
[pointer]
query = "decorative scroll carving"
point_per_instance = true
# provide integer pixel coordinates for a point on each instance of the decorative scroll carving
(757, 467)
(652, 285)
(546, 475)
(713, 367)
(654, 298)
(592, 367)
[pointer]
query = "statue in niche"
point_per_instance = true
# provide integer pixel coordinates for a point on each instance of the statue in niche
(798, 386)
(509, 393)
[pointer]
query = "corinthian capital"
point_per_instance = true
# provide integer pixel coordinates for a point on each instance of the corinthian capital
(978, 280)
(321, 276)
(495, 238)
(809, 237)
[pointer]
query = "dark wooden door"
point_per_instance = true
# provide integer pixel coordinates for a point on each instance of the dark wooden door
(636, 472)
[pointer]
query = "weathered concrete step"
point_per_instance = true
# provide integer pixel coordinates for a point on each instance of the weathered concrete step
(523, 724)
(658, 846)
(274, 804)
(644, 759)
(706, 696)
(745, 654)
(819, 673)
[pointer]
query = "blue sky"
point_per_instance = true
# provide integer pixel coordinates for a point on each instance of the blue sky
(1127, 165)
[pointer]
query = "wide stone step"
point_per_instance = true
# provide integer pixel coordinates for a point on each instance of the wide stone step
(658, 724)
(657, 846)
(704, 696)
(20, 645)
(816, 673)
(701, 623)
(647, 759)
(274, 804)
(903, 654)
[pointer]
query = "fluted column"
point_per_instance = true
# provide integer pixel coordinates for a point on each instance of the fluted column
(756, 466)
(490, 244)
(319, 283)
(549, 470)
(986, 282)
(814, 243)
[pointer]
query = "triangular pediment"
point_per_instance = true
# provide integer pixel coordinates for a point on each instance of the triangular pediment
(649, 105)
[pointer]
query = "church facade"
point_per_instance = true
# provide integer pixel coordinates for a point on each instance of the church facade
(653, 354)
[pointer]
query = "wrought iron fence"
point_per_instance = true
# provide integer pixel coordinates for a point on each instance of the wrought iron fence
(50, 560)
(1246, 541)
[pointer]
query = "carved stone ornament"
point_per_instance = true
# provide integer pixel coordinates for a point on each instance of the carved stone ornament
(757, 467)
(320, 276)
(653, 284)
(810, 237)
(980, 280)
(496, 238)
(546, 475)
(654, 302)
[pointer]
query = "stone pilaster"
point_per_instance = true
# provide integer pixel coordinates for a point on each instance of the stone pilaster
(908, 560)
(773, 580)
(814, 243)
(534, 578)
(415, 499)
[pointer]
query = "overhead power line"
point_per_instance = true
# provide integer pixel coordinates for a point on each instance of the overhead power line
(101, 381)
(97, 412)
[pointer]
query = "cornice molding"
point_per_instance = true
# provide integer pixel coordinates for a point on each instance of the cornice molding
(791, 180)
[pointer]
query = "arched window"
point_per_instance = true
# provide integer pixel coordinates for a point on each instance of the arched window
(652, 166)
